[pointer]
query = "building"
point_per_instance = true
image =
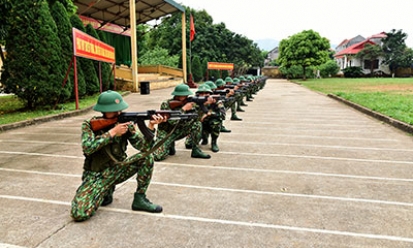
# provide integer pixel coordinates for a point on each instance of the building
(346, 51)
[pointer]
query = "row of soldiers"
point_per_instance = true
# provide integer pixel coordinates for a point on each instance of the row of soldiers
(211, 102)
(105, 138)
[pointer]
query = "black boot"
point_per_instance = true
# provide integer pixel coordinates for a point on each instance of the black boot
(204, 138)
(108, 199)
(172, 150)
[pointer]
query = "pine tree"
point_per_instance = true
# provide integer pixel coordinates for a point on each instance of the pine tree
(64, 27)
(33, 63)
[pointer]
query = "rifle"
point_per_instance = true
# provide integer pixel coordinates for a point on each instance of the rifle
(139, 118)
(199, 100)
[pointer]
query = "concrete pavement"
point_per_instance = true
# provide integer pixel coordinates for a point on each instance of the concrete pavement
(300, 170)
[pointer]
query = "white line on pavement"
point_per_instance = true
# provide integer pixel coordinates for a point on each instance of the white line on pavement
(229, 222)
(241, 153)
(333, 198)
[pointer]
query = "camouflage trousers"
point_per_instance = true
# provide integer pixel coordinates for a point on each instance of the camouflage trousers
(96, 185)
(211, 126)
(190, 128)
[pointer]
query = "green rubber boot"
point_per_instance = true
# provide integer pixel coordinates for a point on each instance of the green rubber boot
(197, 153)
(224, 130)
(234, 117)
(141, 203)
(214, 145)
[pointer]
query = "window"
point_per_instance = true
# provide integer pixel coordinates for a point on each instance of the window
(367, 64)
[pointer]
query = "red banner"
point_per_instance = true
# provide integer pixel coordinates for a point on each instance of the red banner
(89, 47)
(220, 66)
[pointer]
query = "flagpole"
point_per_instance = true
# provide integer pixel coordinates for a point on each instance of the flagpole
(191, 37)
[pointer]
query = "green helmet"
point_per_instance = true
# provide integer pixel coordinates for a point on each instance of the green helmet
(236, 81)
(228, 80)
(182, 90)
(204, 88)
(211, 85)
(110, 101)
(242, 78)
(219, 82)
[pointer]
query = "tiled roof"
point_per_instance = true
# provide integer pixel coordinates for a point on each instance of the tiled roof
(354, 49)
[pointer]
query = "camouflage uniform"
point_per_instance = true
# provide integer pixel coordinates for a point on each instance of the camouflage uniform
(213, 122)
(101, 173)
(178, 129)
(106, 163)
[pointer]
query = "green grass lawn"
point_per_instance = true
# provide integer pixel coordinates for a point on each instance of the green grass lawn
(12, 109)
(390, 96)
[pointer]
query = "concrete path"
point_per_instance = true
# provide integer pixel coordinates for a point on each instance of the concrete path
(300, 170)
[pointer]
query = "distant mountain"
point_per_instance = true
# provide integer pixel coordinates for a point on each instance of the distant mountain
(267, 44)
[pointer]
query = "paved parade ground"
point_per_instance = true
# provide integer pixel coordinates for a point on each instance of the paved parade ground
(300, 170)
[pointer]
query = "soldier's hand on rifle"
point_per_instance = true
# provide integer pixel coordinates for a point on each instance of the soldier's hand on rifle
(156, 119)
(120, 129)
(210, 100)
(188, 106)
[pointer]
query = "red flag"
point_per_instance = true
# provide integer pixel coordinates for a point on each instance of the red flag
(192, 29)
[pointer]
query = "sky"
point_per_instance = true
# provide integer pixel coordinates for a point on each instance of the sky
(332, 19)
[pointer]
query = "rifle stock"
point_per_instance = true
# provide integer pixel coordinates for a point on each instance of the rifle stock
(198, 100)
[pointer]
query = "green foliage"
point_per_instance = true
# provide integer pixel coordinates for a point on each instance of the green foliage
(69, 6)
(64, 26)
(33, 65)
(159, 56)
(197, 71)
(305, 49)
(295, 71)
(329, 68)
(396, 53)
(5, 7)
(212, 43)
(88, 69)
(353, 72)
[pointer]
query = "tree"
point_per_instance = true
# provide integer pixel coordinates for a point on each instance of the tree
(213, 42)
(64, 26)
(305, 49)
(371, 53)
(5, 7)
(159, 56)
(197, 69)
(33, 68)
(330, 68)
(396, 53)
